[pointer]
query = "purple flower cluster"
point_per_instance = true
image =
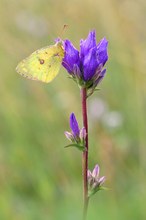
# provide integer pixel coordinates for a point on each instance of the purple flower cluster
(86, 66)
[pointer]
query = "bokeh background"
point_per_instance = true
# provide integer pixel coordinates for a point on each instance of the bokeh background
(39, 179)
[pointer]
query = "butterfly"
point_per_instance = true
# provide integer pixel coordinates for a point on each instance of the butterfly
(43, 64)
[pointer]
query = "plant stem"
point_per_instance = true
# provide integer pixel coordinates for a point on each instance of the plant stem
(85, 153)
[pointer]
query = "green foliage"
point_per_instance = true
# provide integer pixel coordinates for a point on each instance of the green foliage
(39, 179)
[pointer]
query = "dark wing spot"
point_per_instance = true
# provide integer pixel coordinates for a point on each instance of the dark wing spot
(56, 55)
(41, 61)
(46, 53)
(50, 66)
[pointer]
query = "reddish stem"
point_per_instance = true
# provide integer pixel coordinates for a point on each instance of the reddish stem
(85, 153)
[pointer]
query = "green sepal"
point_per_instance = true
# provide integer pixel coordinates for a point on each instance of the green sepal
(91, 91)
(93, 191)
(80, 147)
(104, 188)
(97, 89)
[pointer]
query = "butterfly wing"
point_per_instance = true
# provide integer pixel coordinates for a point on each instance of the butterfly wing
(42, 65)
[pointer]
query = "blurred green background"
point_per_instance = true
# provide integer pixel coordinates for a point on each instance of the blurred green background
(39, 179)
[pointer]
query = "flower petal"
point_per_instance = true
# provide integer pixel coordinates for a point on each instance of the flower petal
(100, 77)
(77, 71)
(95, 172)
(74, 125)
(71, 56)
(102, 180)
(83, 133)
(89, 174)
(89, 43)
(102, 51)
(69, 136)
(90, 64)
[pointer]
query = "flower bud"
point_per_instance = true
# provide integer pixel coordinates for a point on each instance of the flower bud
(94, 181)
(74, 126)
(69, 136)
(83, 134)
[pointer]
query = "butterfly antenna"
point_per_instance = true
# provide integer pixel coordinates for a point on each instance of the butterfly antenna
(65, 26)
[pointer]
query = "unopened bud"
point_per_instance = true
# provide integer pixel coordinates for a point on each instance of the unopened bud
(83, 133)
(69, 136)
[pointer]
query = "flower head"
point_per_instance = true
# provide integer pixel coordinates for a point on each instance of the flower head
(94, 181)
(86, 65)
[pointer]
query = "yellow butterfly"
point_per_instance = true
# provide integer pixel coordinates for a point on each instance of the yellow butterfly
(43, 64)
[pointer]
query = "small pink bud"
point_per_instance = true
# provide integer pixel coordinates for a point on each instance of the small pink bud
(102, 180)
(94, 181)
(89, 174)
(69, 136)
(83, 133)
(95, 172)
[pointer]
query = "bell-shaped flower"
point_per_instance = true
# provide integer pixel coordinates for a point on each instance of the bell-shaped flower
(71, 57)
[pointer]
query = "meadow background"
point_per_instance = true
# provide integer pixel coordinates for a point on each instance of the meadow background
(39, 179)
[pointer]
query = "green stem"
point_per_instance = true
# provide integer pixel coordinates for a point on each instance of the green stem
(85, 153)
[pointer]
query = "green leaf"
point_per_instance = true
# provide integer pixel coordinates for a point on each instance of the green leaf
(80, 147)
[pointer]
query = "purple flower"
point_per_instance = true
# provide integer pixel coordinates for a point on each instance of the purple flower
(71, 58)
(94, 181)
(86, 66)
(76, 135)
(74, 126)
(88, 44)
